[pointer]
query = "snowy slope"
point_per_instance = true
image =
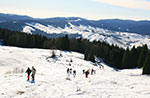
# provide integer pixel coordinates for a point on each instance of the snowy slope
(121, 39)
(50, 79)
(28, 29)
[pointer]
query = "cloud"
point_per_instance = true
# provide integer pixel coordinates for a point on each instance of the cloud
(142, 4)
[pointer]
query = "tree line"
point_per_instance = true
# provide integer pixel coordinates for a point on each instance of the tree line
(112, 55)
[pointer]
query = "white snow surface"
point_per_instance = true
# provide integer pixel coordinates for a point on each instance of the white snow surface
(50, 78)
(121, 39)
(28, 29)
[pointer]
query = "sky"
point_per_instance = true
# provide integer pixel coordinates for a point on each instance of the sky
(89, 9)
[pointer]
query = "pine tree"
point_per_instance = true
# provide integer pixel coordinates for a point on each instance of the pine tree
(142, 56)
(86, 54)
(65, 42)
(146, 68)
(125, 59)
(46, 44)
(91, 55)
(134, 57)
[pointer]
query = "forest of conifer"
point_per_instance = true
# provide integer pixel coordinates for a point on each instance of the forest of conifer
(112, 55)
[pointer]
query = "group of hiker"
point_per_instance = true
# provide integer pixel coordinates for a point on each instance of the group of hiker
(69, 72)
(32, 72)
(73, 72)
(87, 72)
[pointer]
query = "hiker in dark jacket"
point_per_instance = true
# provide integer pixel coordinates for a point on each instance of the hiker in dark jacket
(68, 74)
(28, 71)
(74, 73)
(83, 71)
(87, 73)
(70, 70)
(92, 71)
(33, 73)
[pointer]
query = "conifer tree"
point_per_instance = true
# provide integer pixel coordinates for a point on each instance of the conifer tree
(91, 55)
(86, 54)
(134, 57)
(65, 42)
(146, 68)
(142, 56)
(125, 59)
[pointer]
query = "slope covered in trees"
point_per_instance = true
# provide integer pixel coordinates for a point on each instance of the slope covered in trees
(112, 55)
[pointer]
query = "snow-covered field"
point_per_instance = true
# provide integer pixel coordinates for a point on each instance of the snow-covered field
(50, 79)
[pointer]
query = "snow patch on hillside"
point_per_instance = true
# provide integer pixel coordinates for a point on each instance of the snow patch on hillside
(14, 21)
(28, 29)
(77, 20)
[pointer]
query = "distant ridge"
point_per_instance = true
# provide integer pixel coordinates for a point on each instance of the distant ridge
(123, 33)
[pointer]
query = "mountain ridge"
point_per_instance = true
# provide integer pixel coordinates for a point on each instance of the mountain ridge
(123, 33)
(121, 25)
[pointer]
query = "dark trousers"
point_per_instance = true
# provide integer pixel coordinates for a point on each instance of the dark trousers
(33, 77)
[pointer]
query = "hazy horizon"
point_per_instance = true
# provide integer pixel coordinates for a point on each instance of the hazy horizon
(73, 16)
(88, 9)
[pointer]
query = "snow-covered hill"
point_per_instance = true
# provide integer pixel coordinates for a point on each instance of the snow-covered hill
(123, 33)
(121, 39)
(50, 79)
